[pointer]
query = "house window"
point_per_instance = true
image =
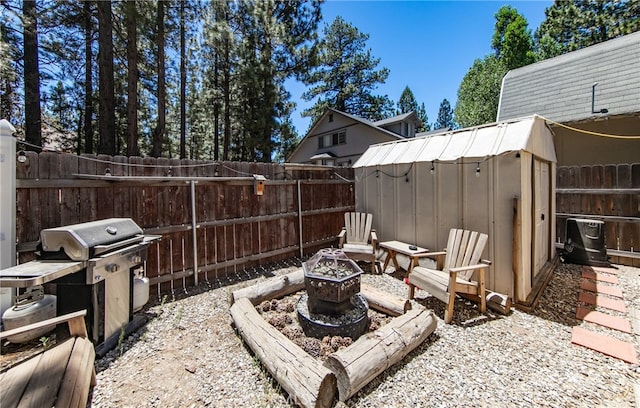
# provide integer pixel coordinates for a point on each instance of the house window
(333, 139)
(331, 117)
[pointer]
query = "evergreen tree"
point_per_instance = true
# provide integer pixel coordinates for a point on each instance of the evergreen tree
(479, 92)
(512, 41)
(571, 25)
(10, 71)
(424, 119)
(407, 103)
(445, 116)
(346, 76)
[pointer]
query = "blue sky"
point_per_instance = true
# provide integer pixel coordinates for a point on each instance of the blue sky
(427, 45)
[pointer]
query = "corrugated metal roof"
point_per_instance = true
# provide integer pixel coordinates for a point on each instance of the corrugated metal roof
(478, 143)
(561, 88)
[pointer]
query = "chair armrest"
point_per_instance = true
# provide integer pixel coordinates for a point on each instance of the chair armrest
(469, 268)
(341, 237)
(75, 320)
(374, 239)
(429, 254)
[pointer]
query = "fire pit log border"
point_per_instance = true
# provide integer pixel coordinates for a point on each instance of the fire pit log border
(281, 286)
(305, 379)
(355, 366)
(345, 372)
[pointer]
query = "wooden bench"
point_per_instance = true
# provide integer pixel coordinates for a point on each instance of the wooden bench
(60, 376)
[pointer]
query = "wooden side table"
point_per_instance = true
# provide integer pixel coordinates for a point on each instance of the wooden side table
(394, 248)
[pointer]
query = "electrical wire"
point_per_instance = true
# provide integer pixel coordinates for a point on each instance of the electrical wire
(588, 132)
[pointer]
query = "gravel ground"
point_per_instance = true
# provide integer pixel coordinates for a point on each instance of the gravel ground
(188, 355)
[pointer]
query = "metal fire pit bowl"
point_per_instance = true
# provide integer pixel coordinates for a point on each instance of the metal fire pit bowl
(330, 276)
(351, 323)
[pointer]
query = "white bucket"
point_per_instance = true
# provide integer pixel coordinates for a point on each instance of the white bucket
(140, 292)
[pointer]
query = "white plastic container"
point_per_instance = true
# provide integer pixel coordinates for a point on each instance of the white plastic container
(140, 292)
(6, 294)
(29, 313)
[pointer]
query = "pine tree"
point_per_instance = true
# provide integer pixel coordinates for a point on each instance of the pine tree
(445, 116)
(407, 103)
(10, 71)
(572, 25)
(346, 76)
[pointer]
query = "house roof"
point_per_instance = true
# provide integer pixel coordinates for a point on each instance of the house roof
(529, 134)
(398, 118)
(561, 88)
(355, 118)
(433, 132)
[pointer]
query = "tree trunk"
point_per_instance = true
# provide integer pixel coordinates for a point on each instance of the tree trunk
(226, 89)
(32, 113)
(158, 132)
(132, 80)
(88, 78)
(216, 111)
(107, 116)
(183, 85)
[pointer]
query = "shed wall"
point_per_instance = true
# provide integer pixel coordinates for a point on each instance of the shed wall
(423, 209)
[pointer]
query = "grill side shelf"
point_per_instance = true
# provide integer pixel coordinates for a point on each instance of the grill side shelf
(37, 272)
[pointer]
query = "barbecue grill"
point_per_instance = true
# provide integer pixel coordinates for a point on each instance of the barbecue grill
(89, 266)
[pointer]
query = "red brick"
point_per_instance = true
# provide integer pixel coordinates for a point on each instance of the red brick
(602, 277)
(604, 344)
(602, 301)
(592, 286)
(603, 319)
(601, 269)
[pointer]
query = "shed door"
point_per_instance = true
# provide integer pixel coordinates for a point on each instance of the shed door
(541, 215)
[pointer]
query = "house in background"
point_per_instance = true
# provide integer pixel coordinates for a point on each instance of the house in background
(595, 90)
(339, 139)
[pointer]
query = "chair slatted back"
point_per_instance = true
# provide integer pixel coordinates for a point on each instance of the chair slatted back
(464, 248)
(358, 226)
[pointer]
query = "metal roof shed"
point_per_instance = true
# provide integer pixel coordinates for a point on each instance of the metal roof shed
(498, 179)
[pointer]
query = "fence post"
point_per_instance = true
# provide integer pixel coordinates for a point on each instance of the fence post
(7, 206)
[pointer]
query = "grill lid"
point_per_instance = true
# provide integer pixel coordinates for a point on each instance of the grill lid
(82, 241)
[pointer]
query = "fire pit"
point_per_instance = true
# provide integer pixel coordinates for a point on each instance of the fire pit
(333, 304)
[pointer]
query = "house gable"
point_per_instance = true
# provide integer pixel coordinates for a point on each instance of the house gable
(338, 139)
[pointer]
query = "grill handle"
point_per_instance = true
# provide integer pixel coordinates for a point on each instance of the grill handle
(100, 249)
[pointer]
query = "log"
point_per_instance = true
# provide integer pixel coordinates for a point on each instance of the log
(308, 383)
(385, 302)
(273, 288)
(358, 364)
(498, 302)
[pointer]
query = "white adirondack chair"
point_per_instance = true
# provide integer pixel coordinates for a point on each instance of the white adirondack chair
(357, 239)
(461, 260)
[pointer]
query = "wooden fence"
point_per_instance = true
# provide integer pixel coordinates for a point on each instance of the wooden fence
(300, 211)
(610, 193)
